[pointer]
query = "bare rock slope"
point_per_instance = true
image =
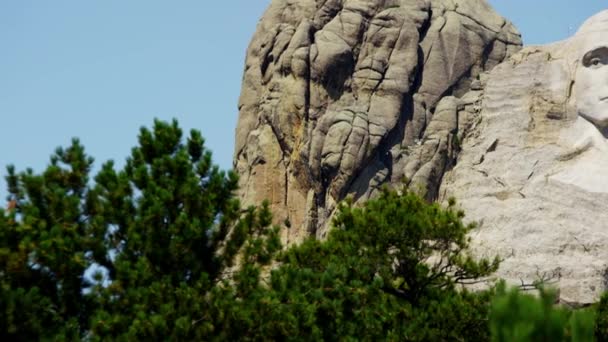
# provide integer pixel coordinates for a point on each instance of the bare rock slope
(342, 96)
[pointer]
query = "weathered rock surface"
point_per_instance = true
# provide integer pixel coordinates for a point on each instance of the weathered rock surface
(342, 96)
(533, 165)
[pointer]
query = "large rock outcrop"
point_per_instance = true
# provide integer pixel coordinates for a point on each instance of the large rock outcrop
(533, 165)
(342, 96)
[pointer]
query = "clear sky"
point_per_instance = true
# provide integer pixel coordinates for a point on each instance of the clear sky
(100, 69)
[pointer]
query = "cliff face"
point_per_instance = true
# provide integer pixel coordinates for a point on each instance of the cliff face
(342, 96)
(532, 170)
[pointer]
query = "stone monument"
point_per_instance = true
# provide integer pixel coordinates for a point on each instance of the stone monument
(341, 97)
(533, 165)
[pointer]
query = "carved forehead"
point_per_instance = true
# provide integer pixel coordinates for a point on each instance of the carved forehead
(593, 34)
(597, 23)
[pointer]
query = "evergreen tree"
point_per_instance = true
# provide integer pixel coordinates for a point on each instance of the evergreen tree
(45, 247)
(173, 224)
(520, 317)
(389, 270)
(601, 325)
(160, 249)
(165, 238)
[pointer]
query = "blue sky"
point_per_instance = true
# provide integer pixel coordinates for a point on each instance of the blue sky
(98, 70)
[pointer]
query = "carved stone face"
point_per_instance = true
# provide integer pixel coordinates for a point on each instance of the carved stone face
(591, 82)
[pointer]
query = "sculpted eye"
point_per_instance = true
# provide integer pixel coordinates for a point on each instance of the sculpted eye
(596, 58)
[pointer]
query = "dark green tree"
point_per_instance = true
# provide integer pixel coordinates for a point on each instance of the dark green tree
(160, 249)
(175, 233)
(601, 324)
(45, 248)
(164, 242)
(389, 270)
(520, 317)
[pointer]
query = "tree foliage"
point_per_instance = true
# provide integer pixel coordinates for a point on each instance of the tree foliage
(601, 325)
(520, 317)
(388, 270)
(45, 247)
(160, 249)
(159, 236)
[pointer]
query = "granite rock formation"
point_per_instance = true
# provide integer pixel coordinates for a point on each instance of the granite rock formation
(342, 96)
(532, 170)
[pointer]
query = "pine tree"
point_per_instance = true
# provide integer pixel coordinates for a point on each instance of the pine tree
(45, 244)
(164, 242)
(601, 325)
(160, 249)
(389, 270)
(521, 317)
